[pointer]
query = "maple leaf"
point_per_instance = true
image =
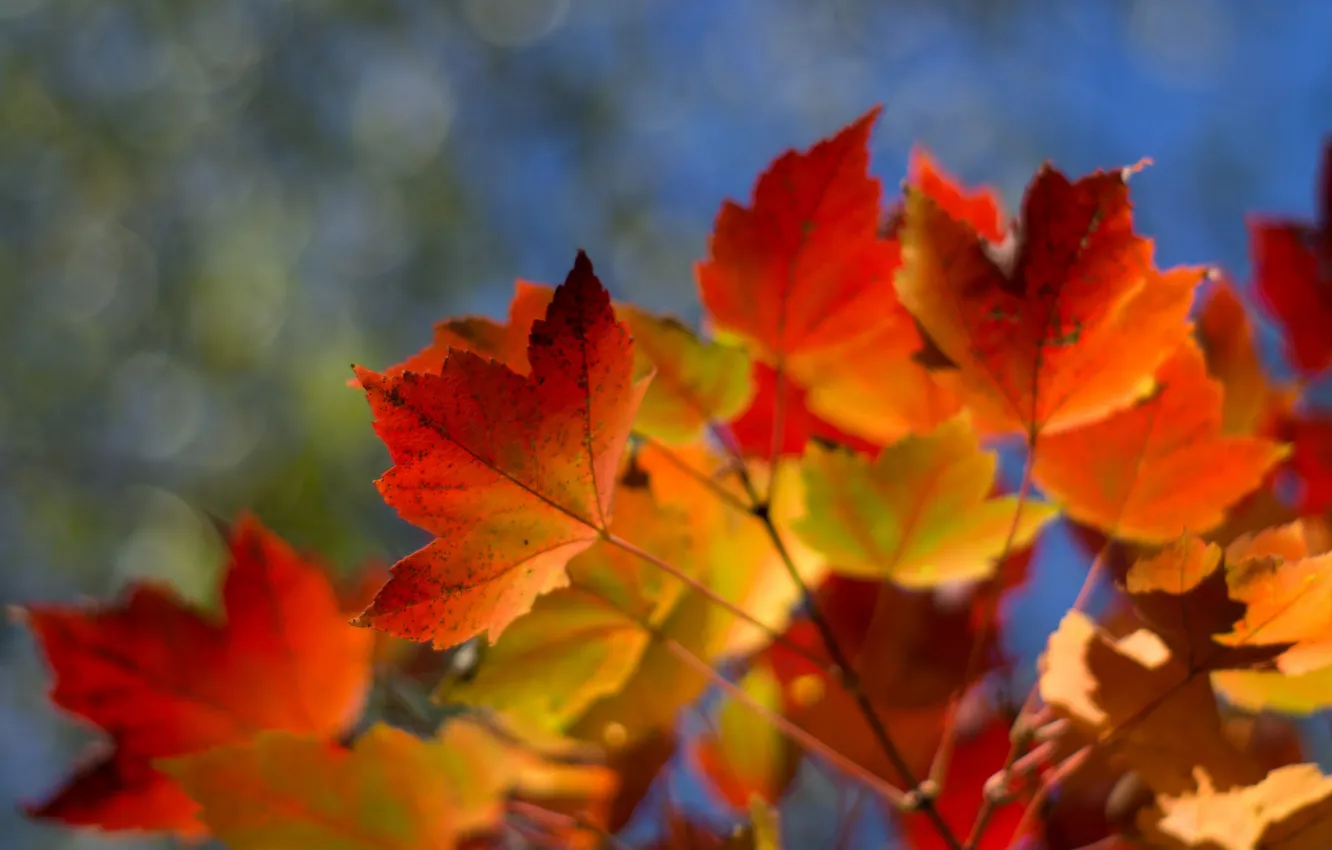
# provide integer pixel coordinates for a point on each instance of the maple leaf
(1292, 266)
(513, 474)
(1287, 603)
(1290, 809)
(697, 383)
(804, 279)
(1036, 324)
(743, 755)
(979, 207)
(649, 700)
(912, 653)
(582, 642)
(389, 790)
(165, 680)
(1267, 603)
(1184, 595)
(1133, 695)
(1226, 336)
(918, 515)
(803, 269)
(1159, 468)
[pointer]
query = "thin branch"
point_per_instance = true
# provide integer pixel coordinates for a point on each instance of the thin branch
(1030, 813)
(851, 681)
(1023, 728)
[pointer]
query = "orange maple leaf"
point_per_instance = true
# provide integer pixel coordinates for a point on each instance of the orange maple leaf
(1037, 323)
(1251, 403)
(165, 680)
(803, 268)
(1160, 468)
(804, 277)
(979, 207)
(513, 474)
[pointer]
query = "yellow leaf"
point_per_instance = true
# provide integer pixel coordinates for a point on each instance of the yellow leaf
(582, 642)
(919, 515)
(697, 382)
(1290, 809)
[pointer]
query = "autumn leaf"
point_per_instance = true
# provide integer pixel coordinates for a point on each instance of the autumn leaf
(918, 515)
(979, 208)
(802, 269)
(1292, 266)
(1037, 324)
(1264, 601)
(697, 382)
(582, 642)
(911, 651)
(804, 279)
(1288, 604)
(742, 755)
(661, 685)
(1131, 694)
(513, 474)
(390, 790)
(165, 680)
(1290, 809)
(1250, 402)
(1159, 468)
(1183, 594)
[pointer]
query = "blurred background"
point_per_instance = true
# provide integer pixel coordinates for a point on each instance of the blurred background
(210, 208)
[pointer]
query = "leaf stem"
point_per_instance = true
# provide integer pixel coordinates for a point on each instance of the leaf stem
(989, 592)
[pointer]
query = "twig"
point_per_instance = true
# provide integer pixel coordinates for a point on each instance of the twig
(851, 681)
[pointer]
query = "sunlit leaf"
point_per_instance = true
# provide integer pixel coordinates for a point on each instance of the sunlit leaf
(919, 515)
(513, 474)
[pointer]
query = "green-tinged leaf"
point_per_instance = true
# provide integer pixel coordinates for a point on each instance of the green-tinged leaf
(582, 642)
(919, 515)
(392, 791)
(697, 382)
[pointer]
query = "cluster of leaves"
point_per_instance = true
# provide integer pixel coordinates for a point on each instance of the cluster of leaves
(802, 511)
